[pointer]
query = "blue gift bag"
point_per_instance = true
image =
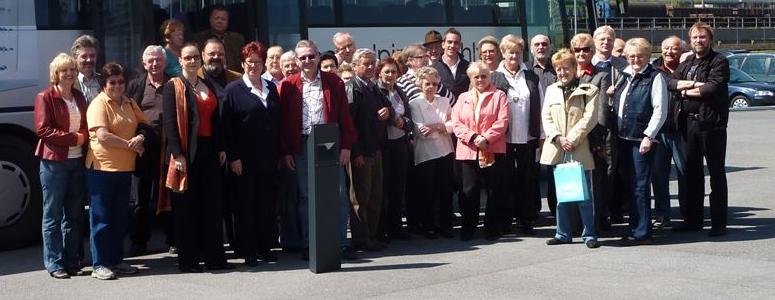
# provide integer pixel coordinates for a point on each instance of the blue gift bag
(570, 182)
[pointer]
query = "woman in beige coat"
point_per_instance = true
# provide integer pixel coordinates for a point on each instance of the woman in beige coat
(568, 114)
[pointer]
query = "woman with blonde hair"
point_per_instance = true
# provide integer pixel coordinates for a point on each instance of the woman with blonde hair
(481, 119)
(569, 113)
(433, 156)
(60, 124)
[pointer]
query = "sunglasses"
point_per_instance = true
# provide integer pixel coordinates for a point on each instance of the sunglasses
(585, 50)
(307, 57)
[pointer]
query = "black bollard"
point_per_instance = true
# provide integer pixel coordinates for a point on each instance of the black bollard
(323, 174)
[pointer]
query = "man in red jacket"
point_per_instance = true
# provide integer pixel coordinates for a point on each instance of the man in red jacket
(308, 98)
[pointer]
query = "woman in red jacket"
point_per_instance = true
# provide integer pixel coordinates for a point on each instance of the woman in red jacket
(60, 124)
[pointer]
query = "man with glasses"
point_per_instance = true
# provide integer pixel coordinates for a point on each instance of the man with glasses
(701, 83)
(308, 98)
(452, 66)
(541, 65)
(344, 47)
(433, 46)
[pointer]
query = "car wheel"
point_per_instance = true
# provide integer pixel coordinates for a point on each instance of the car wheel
(740, 101)
(20, 194)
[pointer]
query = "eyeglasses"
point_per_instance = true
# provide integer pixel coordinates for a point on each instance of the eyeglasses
(252, 62)
(116, 82)
(348, 46)
(307, 57)
(584, 49)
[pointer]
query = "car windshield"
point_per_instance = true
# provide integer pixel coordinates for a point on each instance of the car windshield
(736, 75)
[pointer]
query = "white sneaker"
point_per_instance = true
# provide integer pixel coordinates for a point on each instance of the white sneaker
(125, 268)
(103, 273)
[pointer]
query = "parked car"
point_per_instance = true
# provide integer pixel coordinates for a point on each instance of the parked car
(759, 65)
(745, 91)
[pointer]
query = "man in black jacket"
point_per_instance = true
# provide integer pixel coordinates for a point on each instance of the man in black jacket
(452, 66)
(146, 90)
(701, 82)
(370, 111)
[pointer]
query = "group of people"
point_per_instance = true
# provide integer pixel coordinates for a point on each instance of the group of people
(215, 133)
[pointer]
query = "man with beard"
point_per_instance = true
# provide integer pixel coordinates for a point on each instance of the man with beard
(701, 82)
(147, 90)
(84, 51)
(213, 69)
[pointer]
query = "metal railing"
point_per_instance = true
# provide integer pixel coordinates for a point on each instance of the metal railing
(638, 23)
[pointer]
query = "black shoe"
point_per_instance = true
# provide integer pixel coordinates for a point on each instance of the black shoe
(556, 241)
(633, 241)
(191, 269)
(221, 266)
(75, 272)
(59, 274)
(685, 227)
(305, 253)
(267, 256)
(348, 253)
(431, 235)
(251, 261)
(527, 229)
(400, 235)
(592, 244)
(137, 250)
(714, 232)
(446, 233)
(466, 235)
(492, 236)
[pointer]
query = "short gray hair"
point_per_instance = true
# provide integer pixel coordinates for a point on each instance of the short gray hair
(84, 41)
(154, 49)
(604, 30)
(306, 44)
(288, 56)
(360, 52)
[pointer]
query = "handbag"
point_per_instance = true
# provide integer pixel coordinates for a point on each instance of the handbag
(570, 181)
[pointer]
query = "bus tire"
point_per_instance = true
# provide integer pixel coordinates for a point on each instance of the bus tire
(21, 198)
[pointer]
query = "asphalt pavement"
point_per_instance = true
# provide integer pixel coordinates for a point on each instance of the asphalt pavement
(739, 265)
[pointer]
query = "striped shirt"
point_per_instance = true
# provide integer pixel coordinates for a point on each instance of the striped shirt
(407, 84)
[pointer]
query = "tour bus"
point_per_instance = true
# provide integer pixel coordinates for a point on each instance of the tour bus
(32, 32)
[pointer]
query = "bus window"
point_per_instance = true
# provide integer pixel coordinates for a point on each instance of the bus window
(320, 12)
(392, 12)
(62, 14)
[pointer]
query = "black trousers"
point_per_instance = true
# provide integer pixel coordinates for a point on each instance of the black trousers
(473, 179)
(197, 212)
(434, 182)
(712, 146)
(522, 178)
(551, 192)
(602, 190)
(395, 164)
(147, 188)
(413, 196)
(255, 214)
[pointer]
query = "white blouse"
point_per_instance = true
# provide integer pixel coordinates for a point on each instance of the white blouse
(435, 145)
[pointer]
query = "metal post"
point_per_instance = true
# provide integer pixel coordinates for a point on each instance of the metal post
(323, 171)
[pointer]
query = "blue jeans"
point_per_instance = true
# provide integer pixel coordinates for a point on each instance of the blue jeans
(303, 196)
(670, 146)
(636, 171)
(109, 213)
(564, 221)
(63, 188)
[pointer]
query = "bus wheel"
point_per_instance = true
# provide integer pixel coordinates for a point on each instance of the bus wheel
(20, 194)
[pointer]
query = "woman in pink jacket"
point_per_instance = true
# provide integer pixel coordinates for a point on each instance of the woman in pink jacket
(481, 118)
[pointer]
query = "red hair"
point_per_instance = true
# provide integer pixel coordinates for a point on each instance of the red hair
(254, 48)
